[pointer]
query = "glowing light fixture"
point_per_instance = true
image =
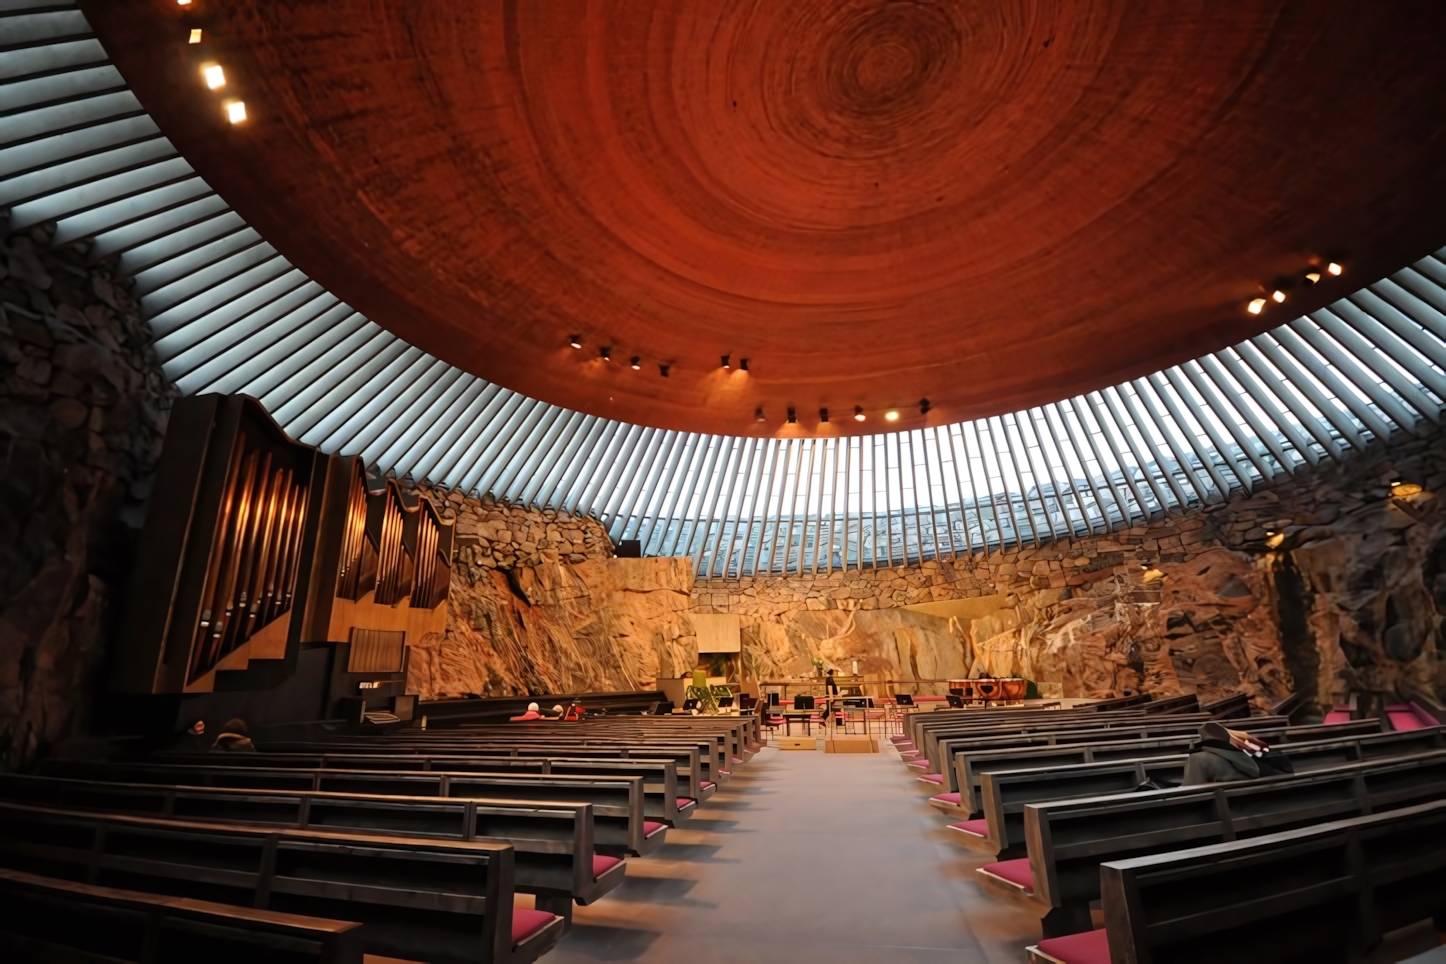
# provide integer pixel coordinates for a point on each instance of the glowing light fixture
(858, 413)
(1311, 277)
(1256, 306)
(195, 36)
(637, 363)
(605, 353)
(236, 111)
(891, 416)
(725, 361)
(183, 3)
(1335, 270)
(215, 76)
(575, 341)
(1277, 296)
(758, 414)
(1402, 490)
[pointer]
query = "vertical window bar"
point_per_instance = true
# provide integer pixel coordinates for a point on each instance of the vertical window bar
(1406, 328)
(1034, 479)
(746, 470)
(630, 494)
(1352, 370)
(1225, 449)
(1148, 401)
(1263, 349)
(1379, 340)
(1222, 411)
(710, 480)
(944, 497)
(1143, 431)
(673, 490)
(1257, 392)
(575, 489)
(973, 492)
(1353, 400)
(1118, 449)
(1050, 443)
(1059, 420)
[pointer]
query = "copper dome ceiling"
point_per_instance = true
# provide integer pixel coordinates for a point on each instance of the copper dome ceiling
(989, 205)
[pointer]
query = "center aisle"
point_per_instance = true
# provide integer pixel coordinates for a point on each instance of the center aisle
(805, 857)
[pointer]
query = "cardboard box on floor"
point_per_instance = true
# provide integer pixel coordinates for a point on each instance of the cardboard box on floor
(797, 742)
(851, 744)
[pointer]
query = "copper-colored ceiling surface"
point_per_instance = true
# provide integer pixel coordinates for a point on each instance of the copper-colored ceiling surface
(989, 205)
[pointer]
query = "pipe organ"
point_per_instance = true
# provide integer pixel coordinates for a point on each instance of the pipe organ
(255, 544)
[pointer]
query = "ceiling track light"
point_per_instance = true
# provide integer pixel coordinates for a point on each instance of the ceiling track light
(1311, 277)
(758, 414)
(195, 35)
(575, 341)
(725, 361)
(1278, 296)
(605, 353)
(1256, 306)
(236, 111)
(1335, 269)
(663, 370)
(636, 363)
(858, 413)
(924, 406)
(792, 416)
(743, 364)
(891, 416)
(214, 76)
(823, 415)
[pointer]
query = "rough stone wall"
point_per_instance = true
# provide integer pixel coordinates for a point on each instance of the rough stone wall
(83, 408)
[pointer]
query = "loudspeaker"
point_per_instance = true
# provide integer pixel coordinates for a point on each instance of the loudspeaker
(630, 549)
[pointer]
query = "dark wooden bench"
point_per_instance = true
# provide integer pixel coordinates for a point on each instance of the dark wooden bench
(1069, 839)
(619, 820)
(917, 724)
(44, 919)
(431, 900)
(1326, 742)
(552, 840)
(1326, 893)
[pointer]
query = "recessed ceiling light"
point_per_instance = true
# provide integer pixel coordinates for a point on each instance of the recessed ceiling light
(1277, 296)
(891, 416)
(1256, 306)
(575, 341)
(236, 112)
(858, 413)
(195, 36)
(1311, 277)
(758, 414)
(725, 361)
(1334, 269)
(215, 76)
(637, 363)
(604, 353)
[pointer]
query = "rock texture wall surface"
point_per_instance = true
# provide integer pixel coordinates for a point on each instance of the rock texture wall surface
(83, 408)
(1332, 583)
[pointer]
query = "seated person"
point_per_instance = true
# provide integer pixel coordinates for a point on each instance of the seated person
(531, 714)
(233, 738)
(574, 713)
(1223, 755)
(555, 713)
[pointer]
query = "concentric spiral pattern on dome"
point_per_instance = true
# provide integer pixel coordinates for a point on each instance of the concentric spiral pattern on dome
(232, 314)
(988, 205)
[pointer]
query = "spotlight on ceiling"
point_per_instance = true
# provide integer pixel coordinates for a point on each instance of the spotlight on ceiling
(637, 363)
(236, 112)
(575, 341)
(891, 416)
(605, 353)
(924, 406)
(663, 370)
(1335, 270)
(195, 36)
(183, 3)
(1311, 277)
(743, 364)
(215, 76)
(1256, 306)
(792, 416)
(1277, 296)
(726, 363)
(858, 413)
(758, 414)
(823, 415)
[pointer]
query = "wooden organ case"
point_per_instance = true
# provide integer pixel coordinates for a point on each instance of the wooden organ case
(255, 543)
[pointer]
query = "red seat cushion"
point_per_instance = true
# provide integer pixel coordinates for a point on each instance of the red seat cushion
(933, 778)
(526, 922)
(1014, 871)
(979, 828)
(601, 864)
(706, 784)
(953, 798)
(686, 802)
(1091, 947)
(919, 764)
(651, 827)
(736, 760)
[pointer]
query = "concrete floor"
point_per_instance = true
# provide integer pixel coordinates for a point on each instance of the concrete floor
(805, 857)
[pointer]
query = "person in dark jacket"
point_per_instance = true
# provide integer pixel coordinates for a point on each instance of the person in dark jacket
(233, 738)
(1218, 759)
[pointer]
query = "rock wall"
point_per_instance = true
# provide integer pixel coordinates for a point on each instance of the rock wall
(1331, 583)
(83, 408)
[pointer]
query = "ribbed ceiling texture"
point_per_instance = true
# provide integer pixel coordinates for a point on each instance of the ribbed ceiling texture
(232, 314)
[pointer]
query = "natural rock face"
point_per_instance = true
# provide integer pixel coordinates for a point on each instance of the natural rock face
(83, 408)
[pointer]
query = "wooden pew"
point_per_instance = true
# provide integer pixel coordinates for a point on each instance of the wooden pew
(1325, 742)
(429, 900)
(1069, 839)
(663, 799)
(552, 841)
(44, 919)
(619, 820)
(1325, 893)
(917, 724)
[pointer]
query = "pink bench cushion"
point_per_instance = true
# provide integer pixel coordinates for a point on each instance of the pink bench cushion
(979, 828)
(1091, 947)
(1014, 871)
(601, 864)
(900, 738)
(947, 798)
(526, 922)
(1341, 714)
(919, 764)
(933, 778)
(706, 784)
(736, 760)
(651, 827)
(685, 802)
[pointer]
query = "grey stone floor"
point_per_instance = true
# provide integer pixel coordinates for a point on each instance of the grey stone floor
(805, 857)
